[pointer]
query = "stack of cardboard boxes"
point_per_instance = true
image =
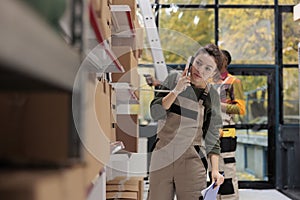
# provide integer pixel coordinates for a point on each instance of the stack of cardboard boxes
(59, 184)
(126, 49)
(121, 187)
(122, 125)
(39, 149)
(32, 124)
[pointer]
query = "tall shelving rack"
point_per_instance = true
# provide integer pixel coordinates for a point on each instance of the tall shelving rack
(41, 155)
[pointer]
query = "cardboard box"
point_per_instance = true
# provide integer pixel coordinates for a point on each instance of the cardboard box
(59, 184)
(135, 82)
(123, 165)
(139, 39)
(117, 41)
(105, 29)
(96, 5)
(113, 107)
(37, 128)
(103, 15)
(92, 167)
(131, 77)
(125, 56)
(113, 129)
(95, 142)
(104, 23)
(113, 102)
(130, 3)
(122, 23)
(118, 166)
(126, 184)
(125, 100)
(104, 110)
(102, 9)
(126, 166)
(127, 131)
(122, 195)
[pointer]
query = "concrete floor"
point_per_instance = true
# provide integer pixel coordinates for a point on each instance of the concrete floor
(249, 194)
(270, 194)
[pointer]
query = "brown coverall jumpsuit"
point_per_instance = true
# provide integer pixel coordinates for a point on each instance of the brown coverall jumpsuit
(178, 164)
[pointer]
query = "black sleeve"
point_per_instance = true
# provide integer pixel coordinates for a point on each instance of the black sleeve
(212, 122)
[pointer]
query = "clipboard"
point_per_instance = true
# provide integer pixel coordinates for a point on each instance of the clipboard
(210, 193)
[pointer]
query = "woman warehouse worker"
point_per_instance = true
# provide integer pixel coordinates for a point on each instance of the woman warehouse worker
(189, 120)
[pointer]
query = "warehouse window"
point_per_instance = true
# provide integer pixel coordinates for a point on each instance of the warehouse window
(290, 29)
(248, 34)
(181, 29)
(247, 2)
(186, 2)
(288, 2)
(291, 96)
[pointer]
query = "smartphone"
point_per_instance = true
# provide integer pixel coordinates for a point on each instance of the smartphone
(190, 65)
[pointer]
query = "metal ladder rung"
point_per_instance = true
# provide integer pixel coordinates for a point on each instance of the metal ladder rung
(153, 39)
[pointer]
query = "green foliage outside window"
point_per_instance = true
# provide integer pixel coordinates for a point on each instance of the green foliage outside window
(186, 1)
(291, 38)
(248, 34)
(237, 2)
(185, 25)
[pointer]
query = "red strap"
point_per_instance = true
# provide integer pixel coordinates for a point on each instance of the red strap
(94, 23)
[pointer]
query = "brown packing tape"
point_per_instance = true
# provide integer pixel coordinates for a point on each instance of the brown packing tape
(125, 180)
(122, 187)
(122, 195)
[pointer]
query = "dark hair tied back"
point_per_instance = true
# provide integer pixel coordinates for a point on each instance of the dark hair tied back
(213, 50)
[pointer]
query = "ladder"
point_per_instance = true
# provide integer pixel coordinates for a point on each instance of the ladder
(153, 39)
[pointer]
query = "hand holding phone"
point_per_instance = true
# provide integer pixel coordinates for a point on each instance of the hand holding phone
(189, 65)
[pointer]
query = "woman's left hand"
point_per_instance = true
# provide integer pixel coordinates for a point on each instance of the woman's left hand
(217, 178)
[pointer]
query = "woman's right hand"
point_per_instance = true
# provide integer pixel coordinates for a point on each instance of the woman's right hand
(183, 82)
